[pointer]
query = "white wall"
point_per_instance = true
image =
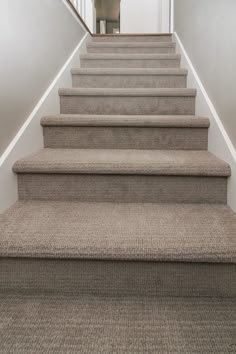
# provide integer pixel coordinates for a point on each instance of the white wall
(90, 13)
(35, 61)
(207, 29)
(36, 39)
(165, 16)
(86, 9)
(206, 39)
(144, 16)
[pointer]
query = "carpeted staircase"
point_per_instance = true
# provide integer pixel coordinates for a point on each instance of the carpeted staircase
(122, 240)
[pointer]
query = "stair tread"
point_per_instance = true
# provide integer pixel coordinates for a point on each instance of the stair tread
(129, 121)
(108, 36)
(66, 324)
(130, 56)
(124, 161)
(129, 71)
(131, 44)
(132, 231)
(149, 92)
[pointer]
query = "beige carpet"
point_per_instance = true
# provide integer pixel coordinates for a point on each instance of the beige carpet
(54, 324)
(160, 232)
(122, 240)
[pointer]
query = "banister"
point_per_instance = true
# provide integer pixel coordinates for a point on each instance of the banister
(78, 15)
(120, 34)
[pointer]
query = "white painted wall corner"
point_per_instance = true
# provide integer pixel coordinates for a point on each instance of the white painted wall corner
(172, 15)
(29, 138)
(219, 141)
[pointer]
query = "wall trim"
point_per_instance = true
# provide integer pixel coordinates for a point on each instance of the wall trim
(39, 104)
(219, 141)
(29, 138)
(208, 100)
(172, 16)
(76, 15)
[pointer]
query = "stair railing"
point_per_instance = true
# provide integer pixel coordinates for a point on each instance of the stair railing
(75, 7)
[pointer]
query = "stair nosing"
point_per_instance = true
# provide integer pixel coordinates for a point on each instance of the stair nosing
(125, 121)
(167, 257)
(119, 56)
(133, 35)
(131, 44)
(153, 92)
(34, 165)
(165, 253)
(129, 71)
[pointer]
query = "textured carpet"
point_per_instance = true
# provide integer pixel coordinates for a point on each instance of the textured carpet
(125, 138)
(188, 232)
(74, 120)
(130, 38)
(80, 277)
(95, 101)
(114, 161)
(125, 132)
(52, 324)
(130, 71)
(119, 92)
(124, 44)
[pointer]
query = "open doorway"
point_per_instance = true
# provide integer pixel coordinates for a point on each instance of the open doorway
(107, 16)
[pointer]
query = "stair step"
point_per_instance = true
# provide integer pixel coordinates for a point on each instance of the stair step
(85, 120)
(130, 60)
(130, 325)
(126, 132)
(133, 38)
(121, 227)
(183, 163)
(131, 47)
(123, 176)
(128, 78)
(165, 249)
(127, 101)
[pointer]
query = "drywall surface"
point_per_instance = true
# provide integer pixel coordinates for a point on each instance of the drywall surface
(90, 15)
(145, 16)
(36, 38)
(29, 138)
(140, 16)
(219, 142)
(207, 30)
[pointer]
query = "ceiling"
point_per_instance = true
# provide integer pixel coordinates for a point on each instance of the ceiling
(107, 9)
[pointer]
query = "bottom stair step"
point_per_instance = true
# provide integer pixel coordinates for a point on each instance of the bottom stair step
(82, 324)
(119, 249)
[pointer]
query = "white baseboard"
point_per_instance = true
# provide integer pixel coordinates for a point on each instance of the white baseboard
(29, 138)
(219, 141)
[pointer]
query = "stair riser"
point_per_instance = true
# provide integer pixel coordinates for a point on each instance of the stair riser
(130, 63)
(155, 105)
(132, 39)
(126, 138)
(129, 81)
(122, 188)
(130, 50)
(117, 278)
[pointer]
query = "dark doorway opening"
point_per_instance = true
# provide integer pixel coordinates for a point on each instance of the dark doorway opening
(107, 16)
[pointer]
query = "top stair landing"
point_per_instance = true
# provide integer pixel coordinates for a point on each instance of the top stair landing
(165, 37)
